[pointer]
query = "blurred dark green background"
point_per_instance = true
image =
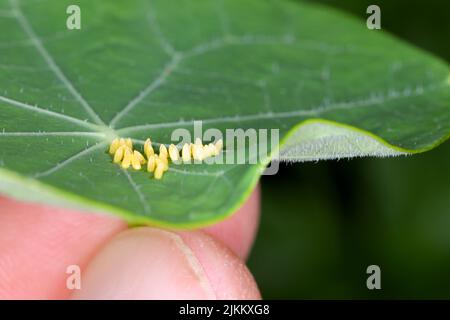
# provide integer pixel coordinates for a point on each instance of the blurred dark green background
(323, 223)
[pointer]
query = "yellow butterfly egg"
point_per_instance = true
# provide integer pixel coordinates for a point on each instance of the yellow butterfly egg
(160, 168)
(174, 153)
(148, 148)
(151, 164)
(197, 152)
(186, 153)
(211, 150)
(207, 152)
(129, 143)
(162, 151)
(127, 158)
(140, 157)
(136, 160)
(165, 161)
(159, 171)
(115, 144)
(118, 155)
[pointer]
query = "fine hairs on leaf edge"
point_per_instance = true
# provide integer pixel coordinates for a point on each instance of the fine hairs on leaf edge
(14, 185)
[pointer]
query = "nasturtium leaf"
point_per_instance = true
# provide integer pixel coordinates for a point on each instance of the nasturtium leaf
(142, 69)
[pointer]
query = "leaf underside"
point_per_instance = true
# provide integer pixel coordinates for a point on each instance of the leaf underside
(141, 69)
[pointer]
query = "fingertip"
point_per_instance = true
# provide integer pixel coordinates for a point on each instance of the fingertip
(150, 263)
(38, 243)
(229, 276)
(238, 232)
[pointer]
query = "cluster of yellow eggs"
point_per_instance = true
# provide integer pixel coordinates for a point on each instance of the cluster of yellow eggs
(124, 154)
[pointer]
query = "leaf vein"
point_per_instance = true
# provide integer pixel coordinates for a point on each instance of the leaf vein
(49, 113)
(163, 41)
(155, 84)
(50, 61)
(72, 158)
(140, 195)
(343, 105)
(61, 133)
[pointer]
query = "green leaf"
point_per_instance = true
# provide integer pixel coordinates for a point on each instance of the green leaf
(144, 68)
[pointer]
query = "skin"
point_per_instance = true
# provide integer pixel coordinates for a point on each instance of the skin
(38, 243)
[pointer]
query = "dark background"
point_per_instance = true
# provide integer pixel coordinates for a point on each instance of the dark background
(323, 223)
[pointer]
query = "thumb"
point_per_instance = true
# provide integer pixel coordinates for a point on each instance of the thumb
(150, 263)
